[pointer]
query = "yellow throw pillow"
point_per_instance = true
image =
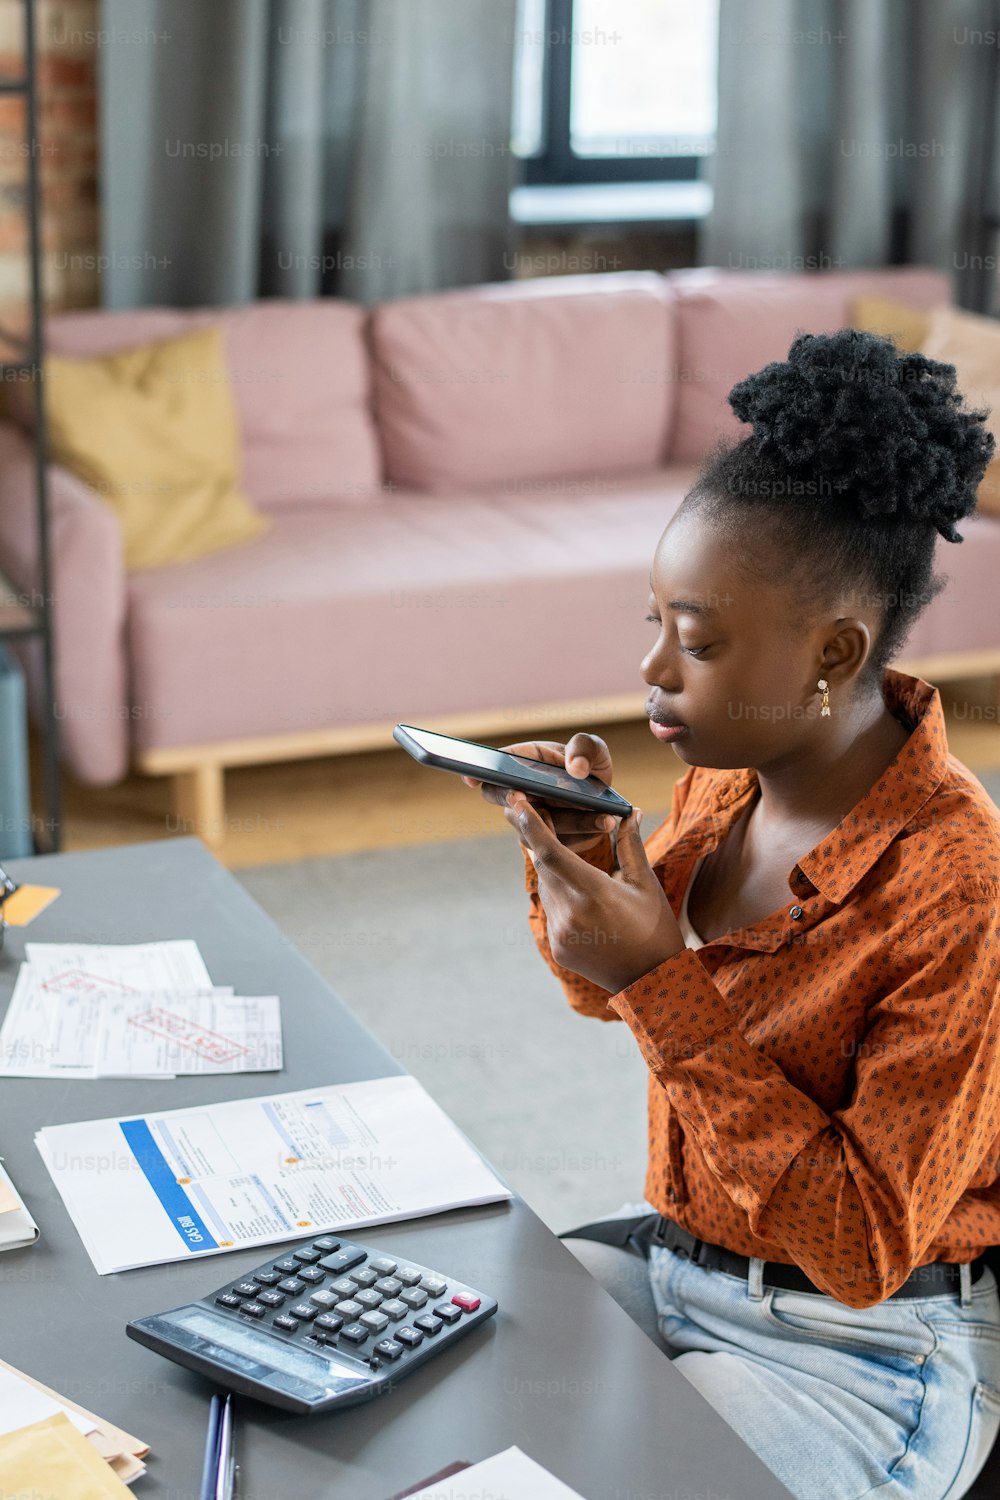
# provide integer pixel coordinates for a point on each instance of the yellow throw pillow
(972, 344)
(906, 326)
(153, 430)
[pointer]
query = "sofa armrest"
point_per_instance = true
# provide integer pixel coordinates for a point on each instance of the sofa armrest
(88, 605)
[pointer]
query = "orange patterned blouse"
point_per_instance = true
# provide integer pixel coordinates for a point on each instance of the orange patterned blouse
(824, 1084)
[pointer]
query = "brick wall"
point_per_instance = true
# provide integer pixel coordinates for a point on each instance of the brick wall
(67, 151)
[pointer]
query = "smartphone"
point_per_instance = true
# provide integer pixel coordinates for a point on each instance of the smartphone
(535, 777)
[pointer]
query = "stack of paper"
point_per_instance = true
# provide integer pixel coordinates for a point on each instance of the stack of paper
(154, 1188)
(17, 1227)
(511, 1474)
(33, 1413)
(146, 1010)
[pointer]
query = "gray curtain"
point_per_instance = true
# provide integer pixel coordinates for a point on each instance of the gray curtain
(298, 147)
(853, 133)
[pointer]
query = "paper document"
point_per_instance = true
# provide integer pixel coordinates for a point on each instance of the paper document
(19, 1395)
(76, 968)
(141, 1011)
(17, 1227)
(160, 1187)
(21, 1404)
(511, 1474)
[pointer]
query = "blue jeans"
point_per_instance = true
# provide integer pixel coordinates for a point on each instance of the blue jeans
(899, 1400)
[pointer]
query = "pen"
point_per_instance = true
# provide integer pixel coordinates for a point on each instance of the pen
(225, 1471)
(209, 1473)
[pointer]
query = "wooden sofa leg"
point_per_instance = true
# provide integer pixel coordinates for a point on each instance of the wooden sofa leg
(199, 802)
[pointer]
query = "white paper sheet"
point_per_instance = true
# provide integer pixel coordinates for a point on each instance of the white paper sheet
(28, 1028)
(81, 968)
(21, 1405)
(149, 1189)
(510, 1474)
(17, 1227)
(179, 1034)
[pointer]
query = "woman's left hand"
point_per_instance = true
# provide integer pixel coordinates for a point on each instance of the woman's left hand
(612, 929)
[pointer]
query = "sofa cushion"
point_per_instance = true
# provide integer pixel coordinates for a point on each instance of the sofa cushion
(526, 380)
(299, 376)
(731, 323)
(161, 451)
(972, 344)
(408, 610)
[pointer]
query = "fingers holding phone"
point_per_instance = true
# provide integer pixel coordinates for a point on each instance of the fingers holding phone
(582, 756)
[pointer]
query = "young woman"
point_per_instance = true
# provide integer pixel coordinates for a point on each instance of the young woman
(808, 950)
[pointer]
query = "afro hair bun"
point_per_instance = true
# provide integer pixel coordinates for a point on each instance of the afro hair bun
(884, 432)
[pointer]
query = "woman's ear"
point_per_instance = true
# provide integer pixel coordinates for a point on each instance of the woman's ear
(845, 651)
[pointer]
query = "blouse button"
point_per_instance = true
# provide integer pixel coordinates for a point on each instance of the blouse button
(795, 912)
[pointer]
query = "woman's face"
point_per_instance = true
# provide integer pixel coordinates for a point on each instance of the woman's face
(732, 662)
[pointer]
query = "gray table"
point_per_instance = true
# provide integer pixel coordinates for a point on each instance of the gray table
(561, 1371)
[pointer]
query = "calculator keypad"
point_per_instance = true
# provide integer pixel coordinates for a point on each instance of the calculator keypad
(348, 1298)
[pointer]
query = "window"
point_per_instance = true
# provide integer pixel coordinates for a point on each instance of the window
(615, 90)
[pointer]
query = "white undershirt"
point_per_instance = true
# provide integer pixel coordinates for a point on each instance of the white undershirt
(691, 938)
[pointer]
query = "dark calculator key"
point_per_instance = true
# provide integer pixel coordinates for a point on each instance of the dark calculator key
(329, 1322)
(435, 1286)
(306, 1257)
(291, 1285)
(411, 1337)
(428, 1324)
(271, 1299)
(364, 1278)
(383, 1265)
(254, 1309)
(246, 1289)
(285, 1322)
(286, 1266)
(413, 1296)
(343, 1286)
(407, 1275)
(354, 1332)
(228, 1299)
(349, 1309)
(389, 1286)
(389, 1349)
(369, 1297)
(375, 1322)
(326, 1243)
(312, 1274)
(448, 1311)
(346, 1257)
(266, 1278)
(466, 1301)
(303, 1311)
(395, 1309)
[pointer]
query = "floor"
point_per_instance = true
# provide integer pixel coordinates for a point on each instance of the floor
(304, 809)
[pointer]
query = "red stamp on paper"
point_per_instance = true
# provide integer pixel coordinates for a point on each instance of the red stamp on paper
(208, 1045)
(79, 982)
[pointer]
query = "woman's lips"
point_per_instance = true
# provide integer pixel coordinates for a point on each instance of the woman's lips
(667, 732)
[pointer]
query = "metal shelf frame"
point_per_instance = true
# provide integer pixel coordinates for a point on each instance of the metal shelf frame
(34, 621)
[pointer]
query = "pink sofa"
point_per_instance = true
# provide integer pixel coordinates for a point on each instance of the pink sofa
(466, 490)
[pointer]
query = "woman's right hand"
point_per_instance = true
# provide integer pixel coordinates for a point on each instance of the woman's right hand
(584, 755)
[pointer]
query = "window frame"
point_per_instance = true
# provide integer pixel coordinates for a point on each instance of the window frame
(556, 163)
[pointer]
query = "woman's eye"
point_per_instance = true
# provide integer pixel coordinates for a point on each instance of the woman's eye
(653, 619)
(693, 650)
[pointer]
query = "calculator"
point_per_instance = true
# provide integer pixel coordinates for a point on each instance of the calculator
(324, 1326)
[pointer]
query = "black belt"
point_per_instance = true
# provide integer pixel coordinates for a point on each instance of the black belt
(638, 1234)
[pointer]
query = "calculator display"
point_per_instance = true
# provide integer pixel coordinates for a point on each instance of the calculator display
(259, 1350)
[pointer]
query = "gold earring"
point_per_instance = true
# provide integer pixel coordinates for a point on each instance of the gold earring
(824, 688)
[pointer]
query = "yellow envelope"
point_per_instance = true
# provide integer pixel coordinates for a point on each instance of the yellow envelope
(51, 1458)
(26, 902)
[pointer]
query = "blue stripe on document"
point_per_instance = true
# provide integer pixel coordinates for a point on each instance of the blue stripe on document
(173, 1199)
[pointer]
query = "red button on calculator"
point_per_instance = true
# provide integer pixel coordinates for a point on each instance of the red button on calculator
(465, 1301)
